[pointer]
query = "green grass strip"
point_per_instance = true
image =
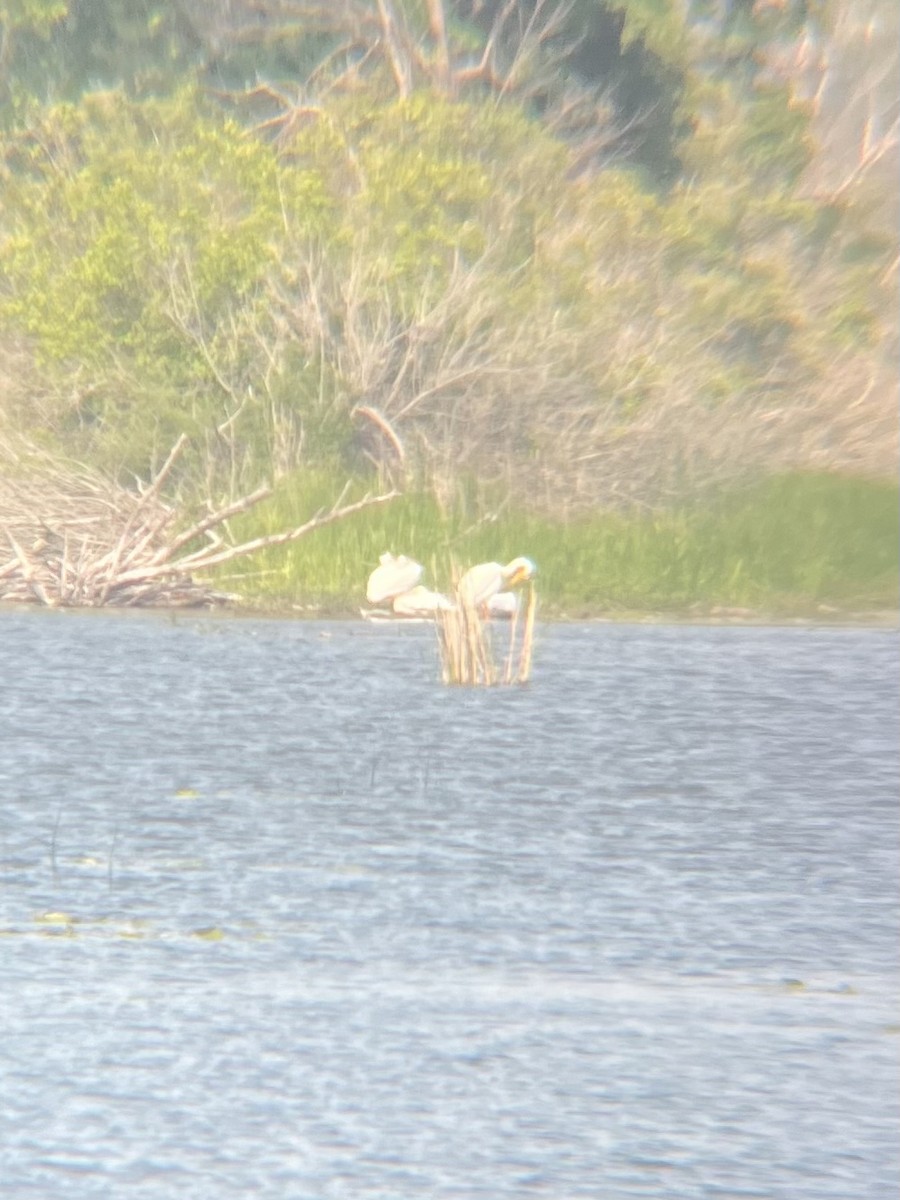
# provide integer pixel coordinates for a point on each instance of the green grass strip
(790, 545)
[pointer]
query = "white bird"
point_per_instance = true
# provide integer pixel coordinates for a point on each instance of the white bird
(395, 575)
(420, 602)
(484, 581)
(504, 604)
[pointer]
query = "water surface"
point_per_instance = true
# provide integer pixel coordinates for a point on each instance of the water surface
(282, 916)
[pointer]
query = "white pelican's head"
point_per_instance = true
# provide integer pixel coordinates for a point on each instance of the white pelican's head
(485, 580)
(520, 570)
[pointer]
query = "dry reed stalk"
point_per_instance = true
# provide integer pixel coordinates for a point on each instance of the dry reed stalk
(465, 642)
(528, 635)
(465, 647)
(511, 652)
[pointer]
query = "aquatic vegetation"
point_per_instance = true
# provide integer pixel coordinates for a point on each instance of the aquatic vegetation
(67, 925)
(54, 919)
(466, 642)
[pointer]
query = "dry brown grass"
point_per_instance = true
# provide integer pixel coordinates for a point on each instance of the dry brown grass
(467, 642)
(77, 538)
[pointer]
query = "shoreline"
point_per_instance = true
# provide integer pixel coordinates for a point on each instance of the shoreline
(826, 616)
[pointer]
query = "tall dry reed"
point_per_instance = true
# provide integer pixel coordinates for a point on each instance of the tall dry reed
(466, 641)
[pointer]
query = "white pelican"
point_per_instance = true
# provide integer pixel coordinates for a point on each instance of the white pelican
(420, 602)
(395, 575)
(504, 604)
(486, 580)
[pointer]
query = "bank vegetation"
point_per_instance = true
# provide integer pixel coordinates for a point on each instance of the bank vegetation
(568, 260)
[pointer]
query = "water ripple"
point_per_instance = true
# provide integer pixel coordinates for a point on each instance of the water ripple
(282, 916)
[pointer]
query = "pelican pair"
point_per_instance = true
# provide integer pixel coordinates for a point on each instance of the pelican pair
(486, 587)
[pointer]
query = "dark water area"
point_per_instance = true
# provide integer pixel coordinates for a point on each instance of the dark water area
(282, 916)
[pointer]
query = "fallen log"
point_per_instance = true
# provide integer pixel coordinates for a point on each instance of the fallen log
(80, 539)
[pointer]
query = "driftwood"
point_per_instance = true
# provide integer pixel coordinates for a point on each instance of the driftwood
(74, 538)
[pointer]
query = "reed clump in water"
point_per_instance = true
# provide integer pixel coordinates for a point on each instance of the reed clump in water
(466, 641)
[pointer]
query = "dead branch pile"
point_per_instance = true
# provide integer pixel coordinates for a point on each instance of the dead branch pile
(74, 537)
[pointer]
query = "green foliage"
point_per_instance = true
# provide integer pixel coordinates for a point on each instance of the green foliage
(424, 189)
(141, 193)
(659, 24)
(137, 234)
(63, 48)
(815, 536)
(164, 266)
(787, 545)
(422, 182)
(37, 16)
(24, 25)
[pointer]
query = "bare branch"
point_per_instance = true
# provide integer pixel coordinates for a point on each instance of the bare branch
(122, 558)
(204, 562)
(383, 425)
(397, 55)
(214, 518)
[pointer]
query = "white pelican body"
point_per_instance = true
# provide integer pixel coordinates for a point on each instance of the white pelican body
(486, 580)
(420, 602)
(504, 604)
(395, 575)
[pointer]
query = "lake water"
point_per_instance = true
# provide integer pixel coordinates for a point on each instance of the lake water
(283, 917)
